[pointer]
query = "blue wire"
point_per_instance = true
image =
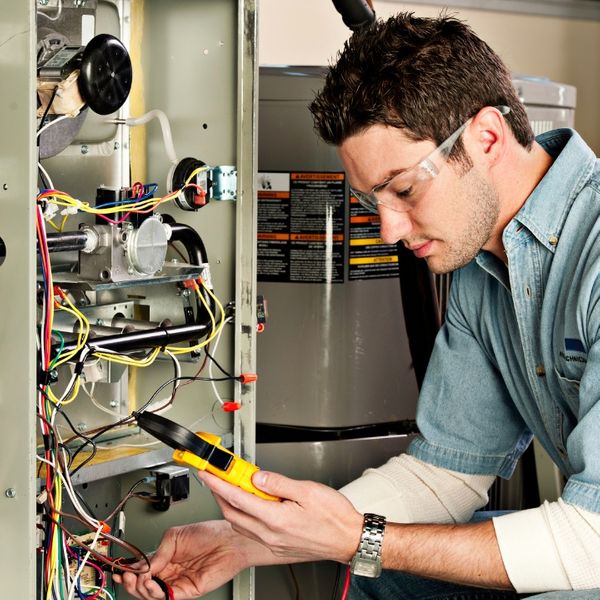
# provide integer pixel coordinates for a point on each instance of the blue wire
(149, 194)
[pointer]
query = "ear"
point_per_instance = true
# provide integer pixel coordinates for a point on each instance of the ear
(489, 134)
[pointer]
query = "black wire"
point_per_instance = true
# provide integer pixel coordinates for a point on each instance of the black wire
(182, 378)
(336, 583)
(54, 92)
(85, 503)
(296, 586)
(79, 434)
(175, 365)
(92, 439)
(212, 358)
(43, 179)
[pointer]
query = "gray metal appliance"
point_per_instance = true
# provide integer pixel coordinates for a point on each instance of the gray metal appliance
(336, 390)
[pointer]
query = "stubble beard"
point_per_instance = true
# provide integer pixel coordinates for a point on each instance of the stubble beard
(482, 214)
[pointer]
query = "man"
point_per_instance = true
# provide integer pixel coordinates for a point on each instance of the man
(433, 138)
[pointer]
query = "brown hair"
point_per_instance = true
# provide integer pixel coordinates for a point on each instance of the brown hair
(424, 75)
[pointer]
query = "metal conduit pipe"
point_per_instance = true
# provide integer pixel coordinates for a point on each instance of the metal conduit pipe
(66, 241)
(192, 242)
(196, 250)
(139, 340)
(127, 325)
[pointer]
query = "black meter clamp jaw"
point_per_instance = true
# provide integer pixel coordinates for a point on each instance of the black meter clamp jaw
(202, 451)
(179, 438)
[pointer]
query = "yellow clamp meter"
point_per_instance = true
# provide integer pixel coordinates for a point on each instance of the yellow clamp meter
(202, 451)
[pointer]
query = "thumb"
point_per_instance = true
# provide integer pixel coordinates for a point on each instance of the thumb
(278, 485)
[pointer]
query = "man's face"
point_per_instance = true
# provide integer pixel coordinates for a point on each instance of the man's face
(452, 217)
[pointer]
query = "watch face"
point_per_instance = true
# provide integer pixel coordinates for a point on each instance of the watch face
(365, 567)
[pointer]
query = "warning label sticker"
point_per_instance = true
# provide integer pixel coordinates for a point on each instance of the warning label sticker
(301, 227)
(368, 256)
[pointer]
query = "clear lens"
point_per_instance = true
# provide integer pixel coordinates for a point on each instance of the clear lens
(366, 200)
(402, 191)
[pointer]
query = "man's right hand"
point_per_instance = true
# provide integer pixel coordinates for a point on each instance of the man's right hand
(196, 559)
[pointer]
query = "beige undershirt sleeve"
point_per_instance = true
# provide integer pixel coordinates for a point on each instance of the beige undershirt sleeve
(408, 490)
(551, 548)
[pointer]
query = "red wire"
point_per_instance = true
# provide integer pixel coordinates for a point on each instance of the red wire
(346, 583)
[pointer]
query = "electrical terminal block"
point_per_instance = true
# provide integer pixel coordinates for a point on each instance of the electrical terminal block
(89, 578)
(172, 485)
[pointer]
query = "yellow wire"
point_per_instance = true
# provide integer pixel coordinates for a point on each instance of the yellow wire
(57, 537)
(215, 328)
(53, 225)
(83, 333)
(74, 392)
(66, 200)
(126, 360)
(64, 222)
(195, 172)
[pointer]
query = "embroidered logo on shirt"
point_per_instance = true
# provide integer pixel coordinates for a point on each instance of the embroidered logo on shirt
(573, 345)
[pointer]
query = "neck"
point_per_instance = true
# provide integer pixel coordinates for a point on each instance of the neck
(515, 182)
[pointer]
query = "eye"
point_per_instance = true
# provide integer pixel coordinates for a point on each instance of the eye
(405, 193)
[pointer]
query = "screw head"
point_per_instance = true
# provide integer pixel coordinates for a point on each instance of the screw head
(84, 149)
(10, 493)
(81, 427)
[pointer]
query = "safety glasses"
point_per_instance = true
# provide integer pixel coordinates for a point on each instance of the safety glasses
(401, 191)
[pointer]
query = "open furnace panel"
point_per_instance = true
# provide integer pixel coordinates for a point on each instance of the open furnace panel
(128, 269)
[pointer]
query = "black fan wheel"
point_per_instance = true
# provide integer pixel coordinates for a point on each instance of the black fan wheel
(106, 74)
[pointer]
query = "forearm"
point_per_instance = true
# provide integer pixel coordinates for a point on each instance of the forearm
(408, 490)
(467, 554)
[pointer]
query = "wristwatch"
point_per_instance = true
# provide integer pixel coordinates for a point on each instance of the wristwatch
(367, 560)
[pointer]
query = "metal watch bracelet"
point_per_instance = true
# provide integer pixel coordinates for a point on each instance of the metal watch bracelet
(367, 560)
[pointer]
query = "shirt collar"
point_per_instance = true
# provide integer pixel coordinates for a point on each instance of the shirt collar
(546, 209)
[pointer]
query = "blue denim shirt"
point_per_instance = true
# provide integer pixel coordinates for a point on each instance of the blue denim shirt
(519, 353)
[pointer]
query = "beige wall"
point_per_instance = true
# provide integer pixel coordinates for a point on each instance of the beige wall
(310, 32)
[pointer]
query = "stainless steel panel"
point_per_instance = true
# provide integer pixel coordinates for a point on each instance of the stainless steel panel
(332, 355)
(335, 464)
(17, 280)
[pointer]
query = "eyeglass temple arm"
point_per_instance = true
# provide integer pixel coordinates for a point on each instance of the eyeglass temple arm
(445, 148)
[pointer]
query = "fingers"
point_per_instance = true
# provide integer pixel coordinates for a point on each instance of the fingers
(141, 586)
(271, 483)
(240, 521)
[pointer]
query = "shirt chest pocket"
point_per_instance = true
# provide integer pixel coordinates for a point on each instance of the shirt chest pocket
(569, 390)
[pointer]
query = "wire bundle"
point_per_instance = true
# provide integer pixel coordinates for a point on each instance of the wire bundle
(65, 554)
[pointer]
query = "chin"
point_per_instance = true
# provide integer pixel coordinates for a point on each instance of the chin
(439, 267)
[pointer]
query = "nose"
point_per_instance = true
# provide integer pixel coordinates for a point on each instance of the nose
(395, 226)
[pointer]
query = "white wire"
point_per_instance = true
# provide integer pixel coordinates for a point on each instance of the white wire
(56, 16)
(68, 579)
(50, 123)
(105, 592)
(45, 173)
(70, 491)
(210, 366)
(83, 563)
(165, 127)
(147, 445)
(155, 403)
(90, 394)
